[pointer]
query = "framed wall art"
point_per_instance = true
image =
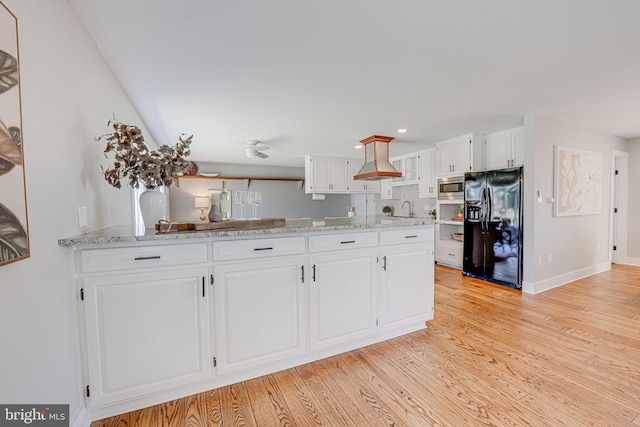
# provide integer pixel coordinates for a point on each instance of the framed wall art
(14, 231)
(578, 181)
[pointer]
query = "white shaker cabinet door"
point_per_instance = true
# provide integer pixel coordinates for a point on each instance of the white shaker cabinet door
(498, 154)
(342, 297)
(146, 332)
(259, 312)
(406, 285)
(427, 177)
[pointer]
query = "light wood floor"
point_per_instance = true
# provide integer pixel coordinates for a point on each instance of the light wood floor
(491, 357)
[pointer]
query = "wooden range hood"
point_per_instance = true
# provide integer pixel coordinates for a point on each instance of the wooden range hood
(376, 159)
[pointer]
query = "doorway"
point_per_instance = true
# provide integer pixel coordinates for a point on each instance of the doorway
(619, 203)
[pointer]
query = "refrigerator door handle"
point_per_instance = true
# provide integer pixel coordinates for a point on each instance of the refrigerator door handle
(483, 211)
(490, 210)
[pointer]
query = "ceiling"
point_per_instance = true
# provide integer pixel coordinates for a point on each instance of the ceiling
(316, 77)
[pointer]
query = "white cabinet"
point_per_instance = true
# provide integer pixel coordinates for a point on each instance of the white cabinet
(408, 166)
(342, 297)
(386, 189)
(459, 155)
(449, 250)
(427, 174)
(258, 312)
(361, 185)
(166, 320)
(326, 175)
(335, 175)
(146, 332)
(505, 149)
(406, 278)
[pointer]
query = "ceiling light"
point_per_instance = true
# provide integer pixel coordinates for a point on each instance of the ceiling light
(402, 130)
(359, 146)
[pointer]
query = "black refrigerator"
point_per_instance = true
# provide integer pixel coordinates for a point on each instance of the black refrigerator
(493, 226)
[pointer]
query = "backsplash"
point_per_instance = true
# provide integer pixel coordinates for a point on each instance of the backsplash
(403, 193)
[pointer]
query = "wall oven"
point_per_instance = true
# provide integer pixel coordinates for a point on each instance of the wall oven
(451, 188)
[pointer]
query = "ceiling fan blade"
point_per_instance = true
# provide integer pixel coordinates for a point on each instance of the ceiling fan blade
(261, 155)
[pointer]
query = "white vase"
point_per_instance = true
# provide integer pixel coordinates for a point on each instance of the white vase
(153, 205)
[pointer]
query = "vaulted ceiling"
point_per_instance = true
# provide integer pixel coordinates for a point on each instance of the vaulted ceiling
(315, 77)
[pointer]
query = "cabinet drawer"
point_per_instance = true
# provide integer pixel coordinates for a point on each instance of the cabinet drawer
(257, 248)
(332, 242)
(450, 253)
(99, 260)
(404, 236)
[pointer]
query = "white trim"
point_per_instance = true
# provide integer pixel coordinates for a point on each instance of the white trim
(81, 418)
(632, 261)
(563, 279)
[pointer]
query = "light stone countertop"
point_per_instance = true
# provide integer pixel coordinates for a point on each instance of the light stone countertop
(118, 234)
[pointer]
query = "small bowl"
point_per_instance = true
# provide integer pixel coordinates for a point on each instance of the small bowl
(458, 236)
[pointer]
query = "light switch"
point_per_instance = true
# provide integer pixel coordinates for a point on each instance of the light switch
(82, 216)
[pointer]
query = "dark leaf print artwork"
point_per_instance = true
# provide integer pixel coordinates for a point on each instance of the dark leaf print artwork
(10, 148)
(13, 236)
(8, 71)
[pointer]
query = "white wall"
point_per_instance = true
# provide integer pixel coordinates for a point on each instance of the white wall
(633, 226)
(68, 95)
(578, 245)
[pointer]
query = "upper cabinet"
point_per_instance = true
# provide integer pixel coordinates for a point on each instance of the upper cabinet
(361, 185)
(326, 175)
(408, 166)
(505, 149)
(335, 175)
(427, 173)
(459, 155)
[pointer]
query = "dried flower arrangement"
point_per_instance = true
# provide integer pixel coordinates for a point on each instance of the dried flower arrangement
(134, 161)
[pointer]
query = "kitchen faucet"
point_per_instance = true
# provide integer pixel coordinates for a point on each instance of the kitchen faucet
(411, 214)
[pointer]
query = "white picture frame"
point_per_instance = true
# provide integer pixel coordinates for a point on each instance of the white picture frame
(577, 181)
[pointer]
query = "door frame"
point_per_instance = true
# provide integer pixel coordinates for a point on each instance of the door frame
(619, 200)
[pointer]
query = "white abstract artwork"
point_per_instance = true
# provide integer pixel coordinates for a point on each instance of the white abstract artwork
(578, 181)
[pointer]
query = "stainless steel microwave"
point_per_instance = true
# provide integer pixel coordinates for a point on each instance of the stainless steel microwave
(451, 188)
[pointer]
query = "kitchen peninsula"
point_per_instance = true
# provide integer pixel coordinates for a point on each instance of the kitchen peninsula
(164, 315)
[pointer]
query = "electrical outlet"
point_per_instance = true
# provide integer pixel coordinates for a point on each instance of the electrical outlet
(82, 216)
(550, 258)
(539, 260)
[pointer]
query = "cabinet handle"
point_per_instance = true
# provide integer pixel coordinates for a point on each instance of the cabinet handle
(302, 268)
(142, 258)
(314, 273)
(203, 287)
(410, 237)
(347, 241)
(262, 249)
(384, 263)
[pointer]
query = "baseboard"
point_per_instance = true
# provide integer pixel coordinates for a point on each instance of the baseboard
(81, 418)
(632, 261)
(563, 279)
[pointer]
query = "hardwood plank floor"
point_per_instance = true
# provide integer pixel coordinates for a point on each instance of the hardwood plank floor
(491, 357)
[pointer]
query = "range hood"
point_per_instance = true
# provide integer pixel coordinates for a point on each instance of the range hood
(376, 159)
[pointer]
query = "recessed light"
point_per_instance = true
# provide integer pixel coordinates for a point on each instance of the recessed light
(359, 146)
(402, 130)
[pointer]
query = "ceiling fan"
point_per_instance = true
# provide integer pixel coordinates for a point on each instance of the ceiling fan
(255, 148)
